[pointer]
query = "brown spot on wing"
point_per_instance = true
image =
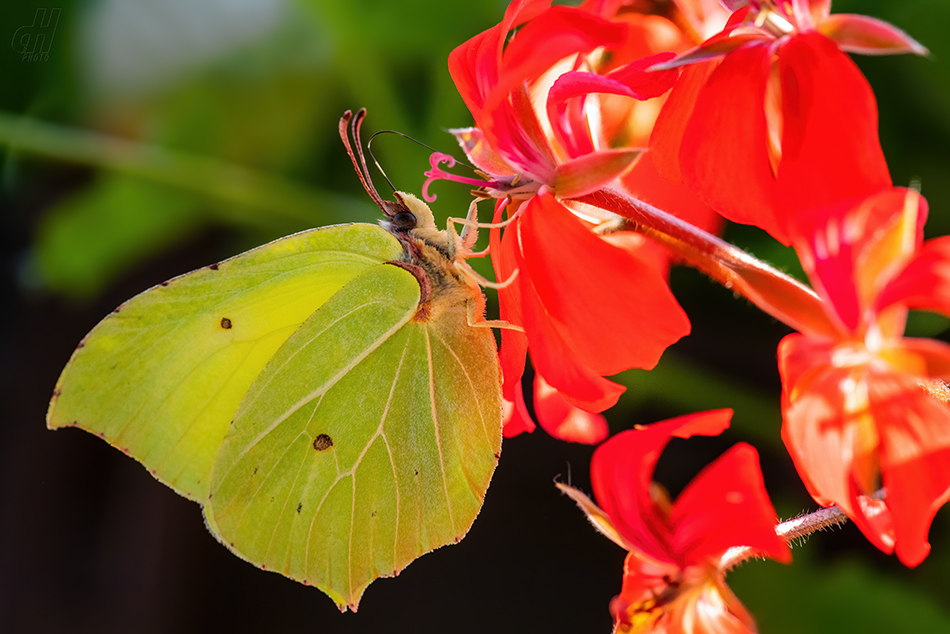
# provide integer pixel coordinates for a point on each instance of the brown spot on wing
(226, 323)
(322, 442)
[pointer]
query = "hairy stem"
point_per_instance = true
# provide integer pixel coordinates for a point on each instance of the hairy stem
(776, 293)
(794, 529)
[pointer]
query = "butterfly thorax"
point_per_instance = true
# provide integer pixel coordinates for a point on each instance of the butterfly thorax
(434, 253)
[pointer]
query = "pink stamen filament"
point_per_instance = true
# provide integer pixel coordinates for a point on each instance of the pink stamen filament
(436, 173)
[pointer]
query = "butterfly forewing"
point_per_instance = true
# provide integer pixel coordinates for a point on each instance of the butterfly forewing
(161, 377)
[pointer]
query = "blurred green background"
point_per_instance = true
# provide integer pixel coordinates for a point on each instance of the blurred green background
(149, 137)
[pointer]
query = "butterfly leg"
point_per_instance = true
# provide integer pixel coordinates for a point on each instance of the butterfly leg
(470, 226)
(476, 319)
(480, 280)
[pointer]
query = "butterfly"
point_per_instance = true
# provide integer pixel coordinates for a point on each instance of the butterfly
(332, 399)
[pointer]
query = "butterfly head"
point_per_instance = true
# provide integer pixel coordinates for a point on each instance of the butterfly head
(407, 217)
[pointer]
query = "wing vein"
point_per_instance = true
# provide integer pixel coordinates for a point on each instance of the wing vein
(435, 422)
(356, 464)
(326, 385)
(475, 392)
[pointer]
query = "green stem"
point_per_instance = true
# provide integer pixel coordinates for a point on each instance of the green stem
(241, 186)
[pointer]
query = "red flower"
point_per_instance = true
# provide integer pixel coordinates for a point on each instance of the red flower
(869, 407)
(785, 125)
(532, 101)
(572, 288)
(528, 100)
(673, 578)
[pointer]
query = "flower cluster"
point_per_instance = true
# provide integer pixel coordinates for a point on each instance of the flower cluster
(616, 136)
(674, 571)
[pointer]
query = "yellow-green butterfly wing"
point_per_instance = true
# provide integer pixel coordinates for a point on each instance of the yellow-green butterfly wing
(161, 377)
(381, 451)
(364, 433)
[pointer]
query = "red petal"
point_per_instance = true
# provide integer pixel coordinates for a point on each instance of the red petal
(474, 65)
(869, 36)
(479, 152)
(724, 156)
(715, 47)
(567, 116)
(671, 122)
(643, 83)
(819, 437)
(593, 171)
(726, 505)
(875, 520)
(551, 353)
(516, 419)
(858, 245)
(510, 128)
(933, 357)
(925, 282)
(549, 38)
(513, 130)
(829, 258)
(830, 147)
(587, 285)
(841, 422)
(564, 421)
(603, 8)
(631, 80)
(621, 472)
(554, 359)
(915, 459)
(513, 351)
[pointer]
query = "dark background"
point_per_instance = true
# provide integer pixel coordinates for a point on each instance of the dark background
(91, 543)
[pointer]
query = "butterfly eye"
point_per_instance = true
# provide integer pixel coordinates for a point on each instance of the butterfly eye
(403, 221)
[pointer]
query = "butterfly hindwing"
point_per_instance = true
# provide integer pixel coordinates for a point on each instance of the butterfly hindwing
(368, 440)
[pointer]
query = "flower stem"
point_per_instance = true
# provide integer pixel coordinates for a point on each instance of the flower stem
(776, 293)
(794, 529)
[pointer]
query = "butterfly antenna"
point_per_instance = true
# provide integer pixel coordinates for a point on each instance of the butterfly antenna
(346, 129)
(369, 148)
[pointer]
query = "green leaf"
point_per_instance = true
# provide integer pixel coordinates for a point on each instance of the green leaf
(92, 237)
